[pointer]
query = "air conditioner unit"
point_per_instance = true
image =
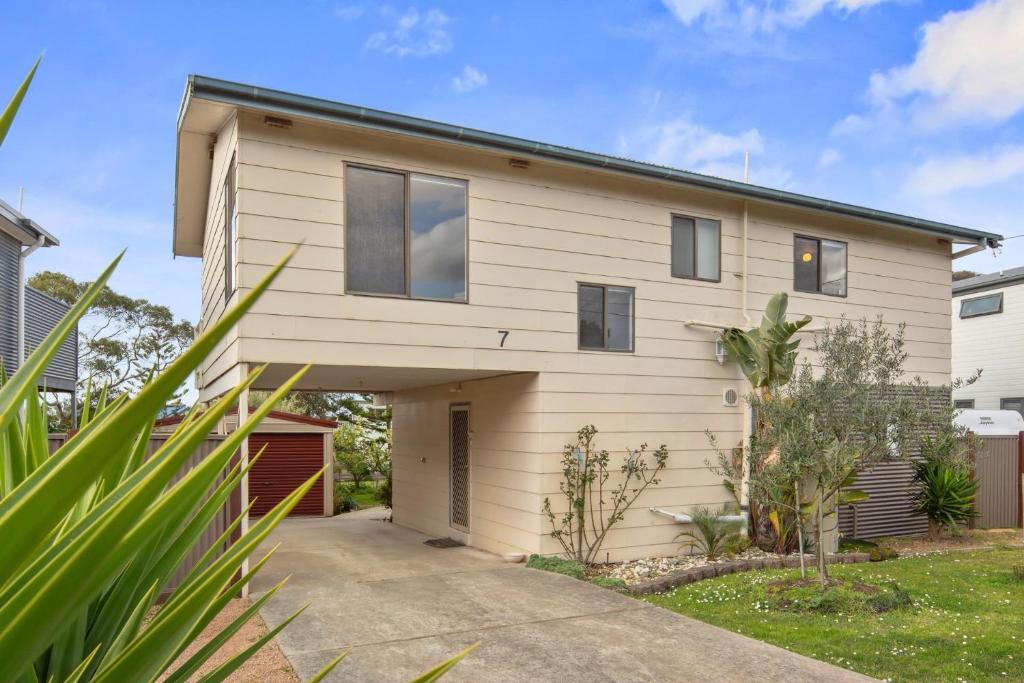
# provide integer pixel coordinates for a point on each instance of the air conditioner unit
(730, 397)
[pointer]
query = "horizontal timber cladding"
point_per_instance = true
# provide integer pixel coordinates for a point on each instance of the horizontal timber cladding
(888, 510)
(288, 461)
(997, 470)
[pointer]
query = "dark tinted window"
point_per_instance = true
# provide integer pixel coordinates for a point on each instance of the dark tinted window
(696, 248)
(1012, 404)
(606, 317)
(964, 403)
(805, 264)
(591, 303)
(375, 231)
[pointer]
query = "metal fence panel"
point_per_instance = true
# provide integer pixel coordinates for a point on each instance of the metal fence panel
(996, 469)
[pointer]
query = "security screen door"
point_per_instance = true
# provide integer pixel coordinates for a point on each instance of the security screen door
(458, 440)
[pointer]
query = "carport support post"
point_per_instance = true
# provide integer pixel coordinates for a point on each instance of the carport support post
(243, 454)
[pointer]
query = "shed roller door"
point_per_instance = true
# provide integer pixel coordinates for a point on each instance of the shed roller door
(288, 461)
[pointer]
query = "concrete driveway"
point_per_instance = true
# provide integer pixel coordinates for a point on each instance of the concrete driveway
(403, 606)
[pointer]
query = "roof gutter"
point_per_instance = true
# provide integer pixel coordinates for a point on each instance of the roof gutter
(277, 102)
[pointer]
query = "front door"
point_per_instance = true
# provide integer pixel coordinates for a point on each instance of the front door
(458, 471)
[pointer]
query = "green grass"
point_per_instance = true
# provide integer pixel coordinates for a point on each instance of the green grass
(366, 495)
(966, 621)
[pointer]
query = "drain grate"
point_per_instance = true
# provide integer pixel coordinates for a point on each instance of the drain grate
(443, 543)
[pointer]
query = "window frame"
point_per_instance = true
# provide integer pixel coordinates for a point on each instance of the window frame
(696, 246)
(976, 298)
(407, 181)
(963, 400)
(846, 264)
(230, 228)
(604, 322)
(1016, 399)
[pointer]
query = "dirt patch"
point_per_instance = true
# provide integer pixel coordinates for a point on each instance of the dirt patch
(969, 539)
(268, 665)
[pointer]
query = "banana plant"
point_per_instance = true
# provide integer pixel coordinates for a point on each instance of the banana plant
(766, 354)
(7, 118)
(92, 534)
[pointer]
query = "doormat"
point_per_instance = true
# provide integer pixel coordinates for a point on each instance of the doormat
(444, 543)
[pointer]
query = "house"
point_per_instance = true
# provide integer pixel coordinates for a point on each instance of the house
(988, 334)
(26, 314)
(500, 293)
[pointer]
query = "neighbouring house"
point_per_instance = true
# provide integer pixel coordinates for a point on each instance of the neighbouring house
(500, 293)
(26, 314)
(988, 335)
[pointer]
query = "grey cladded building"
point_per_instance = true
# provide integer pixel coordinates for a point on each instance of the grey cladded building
(27, 315)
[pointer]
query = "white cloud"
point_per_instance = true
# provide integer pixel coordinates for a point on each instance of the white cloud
(471, 78)
(940, 176)
(753, 16)
(414, 34)
(829, 157)
(349, 12)
(967, 69)
(683, 144)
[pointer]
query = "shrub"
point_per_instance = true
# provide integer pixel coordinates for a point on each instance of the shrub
(945, 493)
(557, 565)
(895, 598)
(585, 470)
(882, 553)
(610, 582)
(343, 499)
(713, 532)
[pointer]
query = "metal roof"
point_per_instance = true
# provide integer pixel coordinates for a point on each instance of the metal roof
(288, 104)
(978, 283)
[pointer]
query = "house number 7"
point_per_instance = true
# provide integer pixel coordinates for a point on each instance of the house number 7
(504, 336)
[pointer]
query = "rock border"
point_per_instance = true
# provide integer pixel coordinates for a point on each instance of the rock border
(710, 571)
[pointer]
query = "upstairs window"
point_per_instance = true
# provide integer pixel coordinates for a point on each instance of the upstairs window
(405, 234)
(964, 404)
(1012, 404)
(819, 266)
(230, 231)
(605, 317)
(696, 248)
(981, 305)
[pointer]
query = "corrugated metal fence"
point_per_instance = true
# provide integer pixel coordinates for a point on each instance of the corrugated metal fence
(219, 524)
(888, 510)
(998, 466)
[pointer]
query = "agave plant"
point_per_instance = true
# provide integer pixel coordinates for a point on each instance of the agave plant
(93, 533)
(945, 494)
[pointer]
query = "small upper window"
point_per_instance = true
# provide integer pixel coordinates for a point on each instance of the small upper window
(1012, 404)
(696, 248)
(819, 266)
(606, 316)
(230, 231)
(964, 404)
(981, 305)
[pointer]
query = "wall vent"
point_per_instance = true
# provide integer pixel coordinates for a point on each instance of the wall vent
(277, 122)
(730, 397)
(519, 163)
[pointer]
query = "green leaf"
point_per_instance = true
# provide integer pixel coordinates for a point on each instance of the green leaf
(444, 667)
(11, 110)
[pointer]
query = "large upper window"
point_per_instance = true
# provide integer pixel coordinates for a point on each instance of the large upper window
(1012, 404)
(230, 231)
(606, 317)
(696, 248)
(405, 234)
(981, 305)
(819, 266)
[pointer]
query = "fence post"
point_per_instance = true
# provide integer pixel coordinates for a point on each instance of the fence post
(971, 460)
(1020, 480)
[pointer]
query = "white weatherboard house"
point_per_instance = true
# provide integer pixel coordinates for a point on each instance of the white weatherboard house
(988, 335)
(501, 293)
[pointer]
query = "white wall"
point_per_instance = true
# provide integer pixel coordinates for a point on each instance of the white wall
(993, 343)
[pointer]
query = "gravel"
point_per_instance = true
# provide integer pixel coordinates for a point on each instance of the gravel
(639, 571)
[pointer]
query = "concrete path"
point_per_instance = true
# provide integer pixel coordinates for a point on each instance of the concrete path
(403, 606)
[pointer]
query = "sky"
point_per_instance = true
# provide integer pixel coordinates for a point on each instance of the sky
(908, 106)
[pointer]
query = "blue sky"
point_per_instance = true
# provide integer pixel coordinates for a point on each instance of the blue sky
(908, 106)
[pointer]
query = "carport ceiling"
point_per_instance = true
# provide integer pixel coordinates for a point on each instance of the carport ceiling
(367, 379)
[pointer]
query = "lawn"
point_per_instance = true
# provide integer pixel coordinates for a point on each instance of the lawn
(966, 622)
(366, 495)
